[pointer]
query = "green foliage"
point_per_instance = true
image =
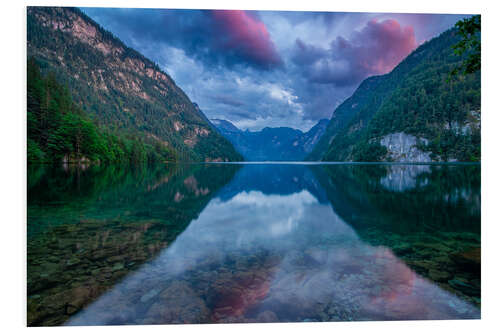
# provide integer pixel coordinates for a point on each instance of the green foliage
(369, 152)
(415, 98)
(469, 30)
(58, 129)
(34, 154)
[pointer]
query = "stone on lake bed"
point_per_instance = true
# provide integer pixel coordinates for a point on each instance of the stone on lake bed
(470, 258)
(72, 262)
(79, 296)
(179, 304)
(149, 295)
(53, 259)
(402, 249)
(424, 264)
(115, 258)
(445, 260)
(439, 275)
(118, 266)
(435, 246)
(267, 317)
(464, 287)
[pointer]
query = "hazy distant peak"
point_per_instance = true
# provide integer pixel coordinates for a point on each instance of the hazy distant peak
(225, 125)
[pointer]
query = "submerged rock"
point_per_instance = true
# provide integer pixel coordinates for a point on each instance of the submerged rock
(66, 279)
(72, 262)
(178, 304)
(267, 317)
(439, 275)
(149, 295)
(468, 259)
(117, 266)
(465, 286)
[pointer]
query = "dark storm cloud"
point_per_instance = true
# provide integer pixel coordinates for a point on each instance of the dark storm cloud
(227, 37)
(269, 68)
(375, 49)
(244, 38)
(228, 100)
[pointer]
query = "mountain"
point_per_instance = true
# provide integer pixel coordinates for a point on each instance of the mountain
(225, 126)
(272, 144)
(118, 88)
(312, 137)
(60, 131)
(415, 113)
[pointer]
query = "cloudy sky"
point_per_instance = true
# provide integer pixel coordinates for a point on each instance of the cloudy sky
(270, 68)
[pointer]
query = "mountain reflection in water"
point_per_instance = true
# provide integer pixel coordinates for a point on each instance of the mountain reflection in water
(281, 243)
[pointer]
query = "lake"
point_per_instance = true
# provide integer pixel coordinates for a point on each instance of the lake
(276, 242)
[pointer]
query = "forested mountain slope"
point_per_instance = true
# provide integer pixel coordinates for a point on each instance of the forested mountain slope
(415, 113)
(59, 130)
(117, 87)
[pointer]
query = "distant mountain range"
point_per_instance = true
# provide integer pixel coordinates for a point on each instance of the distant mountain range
(272, 143)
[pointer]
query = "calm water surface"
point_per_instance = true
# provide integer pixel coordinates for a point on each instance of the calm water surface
(211, 243)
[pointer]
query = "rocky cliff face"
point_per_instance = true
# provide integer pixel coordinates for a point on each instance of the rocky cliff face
(403, 147)
(118, 86)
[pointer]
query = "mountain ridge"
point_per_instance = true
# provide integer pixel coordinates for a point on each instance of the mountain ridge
(119, 87)
(271, 143)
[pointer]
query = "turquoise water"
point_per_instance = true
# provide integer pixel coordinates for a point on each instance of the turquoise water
(208, 243)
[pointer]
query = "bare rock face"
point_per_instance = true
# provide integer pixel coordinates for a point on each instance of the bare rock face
(403, 147)
(130, 71)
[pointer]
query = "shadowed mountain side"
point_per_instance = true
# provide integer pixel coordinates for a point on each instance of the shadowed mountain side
(76, 253)
(272, 143)
(413, 218)
(344, 113)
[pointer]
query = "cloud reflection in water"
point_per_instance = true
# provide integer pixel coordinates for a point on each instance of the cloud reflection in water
(269, 257)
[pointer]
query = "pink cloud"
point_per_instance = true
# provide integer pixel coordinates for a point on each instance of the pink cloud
(243, 35)
(375, 49)
(384, 45)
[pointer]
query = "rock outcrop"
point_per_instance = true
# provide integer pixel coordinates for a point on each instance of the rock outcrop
(402, 147)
